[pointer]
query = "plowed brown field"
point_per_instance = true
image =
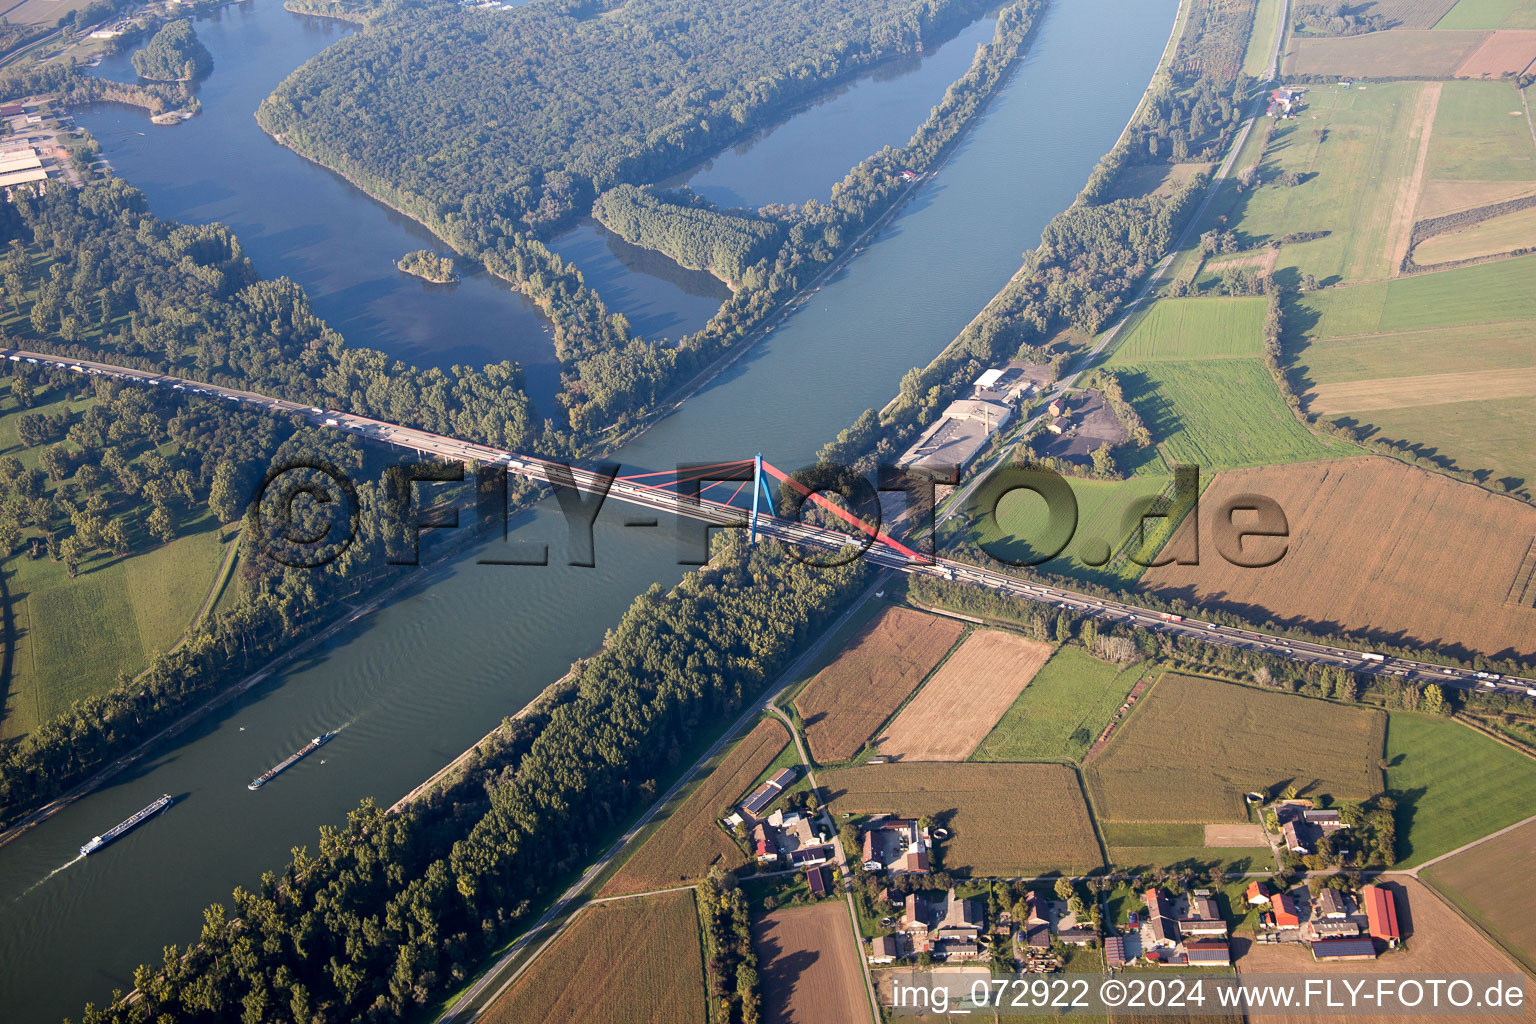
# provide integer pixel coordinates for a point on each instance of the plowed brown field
(809, 963)
(1399, 53)
(964, 699)
(1438, 944)
(1377, 547)
(847, 701)
(1506, 52)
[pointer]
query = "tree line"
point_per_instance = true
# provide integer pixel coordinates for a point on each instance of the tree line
(687, 229)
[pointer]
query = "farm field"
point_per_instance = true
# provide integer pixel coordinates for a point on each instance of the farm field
(1022, 532)
(1218, 414)
(1431, 389)
(1195, 329)
(1194, 746)
(1490, 14)
(846, 702)
(995, 833)
(1480, 880)
(1438, 944)
(808, 960)
(689, 841)
(1435, 561)
(1398, 53)
(1492, 237)
(1506, 52)
(1411, 13)
(1437, 350)
(1061, 712)
(955, 710)
(1159, 844)
(1452, 785)
(1490, 436)
(1481, 135)
(638, 960)
(1438, 198)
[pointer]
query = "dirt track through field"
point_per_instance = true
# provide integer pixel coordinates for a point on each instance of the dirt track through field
(953, 713)
(1400, 230)
(1433, 389)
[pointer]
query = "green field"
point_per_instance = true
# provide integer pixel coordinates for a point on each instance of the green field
(1343, 138)
(1061, 712)
(1418, 353)
(1493, 436)
(1476, 14)
(1485, 293)
(1452, 785)
(1478, 138)
(1194, 746)
(1022, 527)
(1219, 414)
(1195, 329)
(1173, 844)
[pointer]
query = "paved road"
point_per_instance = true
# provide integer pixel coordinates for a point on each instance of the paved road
(546, 472)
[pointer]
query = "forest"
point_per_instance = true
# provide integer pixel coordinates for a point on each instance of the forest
(390, 911)
(691, 232)
(174, 54)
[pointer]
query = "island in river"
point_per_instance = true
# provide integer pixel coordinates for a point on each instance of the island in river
(429, 266)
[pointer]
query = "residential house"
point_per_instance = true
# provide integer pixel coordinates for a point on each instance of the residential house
(818, 880)
(899, 845)
(1036, 928)
(1344, 949)
(1284, 910)
(762, 847)
(1208, 952)
(1381, 913)
(884, 949)
(1257, 894)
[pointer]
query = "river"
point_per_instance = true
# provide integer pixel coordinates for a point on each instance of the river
(420, 680)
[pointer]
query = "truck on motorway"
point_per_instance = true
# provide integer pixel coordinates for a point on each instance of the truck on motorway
(1170, 617)
(1372, 656)
(1488, 675)
(332, 421)
(1530, 691)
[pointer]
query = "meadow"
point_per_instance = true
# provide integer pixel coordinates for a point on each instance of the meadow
(1452, 785)
(1202, 328)
(956, 708)
(1493, 237)
(689, 840)
(1022, 530)
(1193, 747)
(846, 701)
(1006, 819)
(1266, 22)
(1061, 712)
(637, 960)
(1433, 563)
(1141, 845)
(1478, 136)
(1479, 881)
(1218, 414)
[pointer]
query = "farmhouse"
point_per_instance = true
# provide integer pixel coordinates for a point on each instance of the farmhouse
(1283, 102)
(1035, 930)
(791, 838)
(1293, 840)
(1283, 909)
(1159, 928)
(899, 845)
(914, 921)
(884, 949)
(1381, 912)
(1330, 903)
(961, 921)
(953, 933)
(1257, 894)
(1344, 949)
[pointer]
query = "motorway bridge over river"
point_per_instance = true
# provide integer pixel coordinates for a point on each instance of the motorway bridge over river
(882, 549)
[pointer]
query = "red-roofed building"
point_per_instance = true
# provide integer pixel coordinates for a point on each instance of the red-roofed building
(1284, 909)
(1258, 894)
(1381, 912)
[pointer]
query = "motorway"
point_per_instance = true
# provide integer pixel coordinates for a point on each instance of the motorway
(720, 514)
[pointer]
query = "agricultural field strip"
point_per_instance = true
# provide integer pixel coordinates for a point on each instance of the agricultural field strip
(1432, 389)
